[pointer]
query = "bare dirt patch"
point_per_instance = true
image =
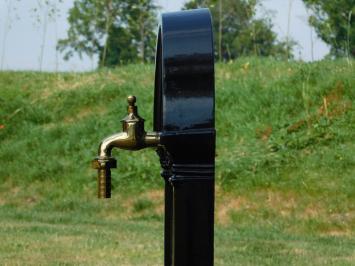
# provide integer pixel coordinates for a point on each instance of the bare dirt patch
(72, 83)
(337, 233)
(283, 203)
(224, 207)
(312, 211)
(83, 113)
(157, 197)
(2, 201)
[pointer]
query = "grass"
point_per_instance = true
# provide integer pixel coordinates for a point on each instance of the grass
(285, 167)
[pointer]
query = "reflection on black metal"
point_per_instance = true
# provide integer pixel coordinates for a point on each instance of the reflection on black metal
(184, 116)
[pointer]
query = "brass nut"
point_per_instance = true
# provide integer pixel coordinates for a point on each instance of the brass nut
(99, 163)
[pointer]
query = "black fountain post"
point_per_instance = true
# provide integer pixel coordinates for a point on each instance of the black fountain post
(184, 116)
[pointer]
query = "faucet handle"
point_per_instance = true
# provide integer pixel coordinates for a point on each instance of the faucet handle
(131, 100)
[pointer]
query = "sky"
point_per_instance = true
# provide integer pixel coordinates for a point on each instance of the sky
(21, 37)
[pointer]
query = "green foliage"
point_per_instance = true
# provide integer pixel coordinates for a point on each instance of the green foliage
(117, 31)
(238, 32)
(119, 48)
(142, 25)
(87, 29)
(334, 22)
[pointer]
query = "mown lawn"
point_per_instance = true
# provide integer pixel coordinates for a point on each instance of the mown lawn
(285, 167)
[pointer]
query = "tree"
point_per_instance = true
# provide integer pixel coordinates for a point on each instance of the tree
(118, 31)
(238, 33)
(334, 23)
(120, 49)
(142, 24)
(90, 21)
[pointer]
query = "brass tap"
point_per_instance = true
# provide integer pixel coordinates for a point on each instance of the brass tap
(133, 137)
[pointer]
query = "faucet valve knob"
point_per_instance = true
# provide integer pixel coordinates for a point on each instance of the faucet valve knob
(131, 100)
(132, 108)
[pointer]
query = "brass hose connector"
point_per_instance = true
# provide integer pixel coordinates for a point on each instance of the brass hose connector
(103, 166)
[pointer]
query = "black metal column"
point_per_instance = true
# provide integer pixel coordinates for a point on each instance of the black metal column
(193, 221)
(168, 224)
(192, 181)
(184, 114)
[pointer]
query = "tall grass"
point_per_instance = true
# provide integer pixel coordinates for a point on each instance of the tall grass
(270, 120)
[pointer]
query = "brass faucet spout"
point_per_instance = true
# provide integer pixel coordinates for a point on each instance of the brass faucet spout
(127, 141)
(116, 140)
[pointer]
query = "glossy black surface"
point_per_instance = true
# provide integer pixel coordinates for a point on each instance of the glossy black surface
(184, 114)
(185, 72)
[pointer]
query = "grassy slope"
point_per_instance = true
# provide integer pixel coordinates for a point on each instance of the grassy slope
(285, 167)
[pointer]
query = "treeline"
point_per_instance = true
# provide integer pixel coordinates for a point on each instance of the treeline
(120, 32)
